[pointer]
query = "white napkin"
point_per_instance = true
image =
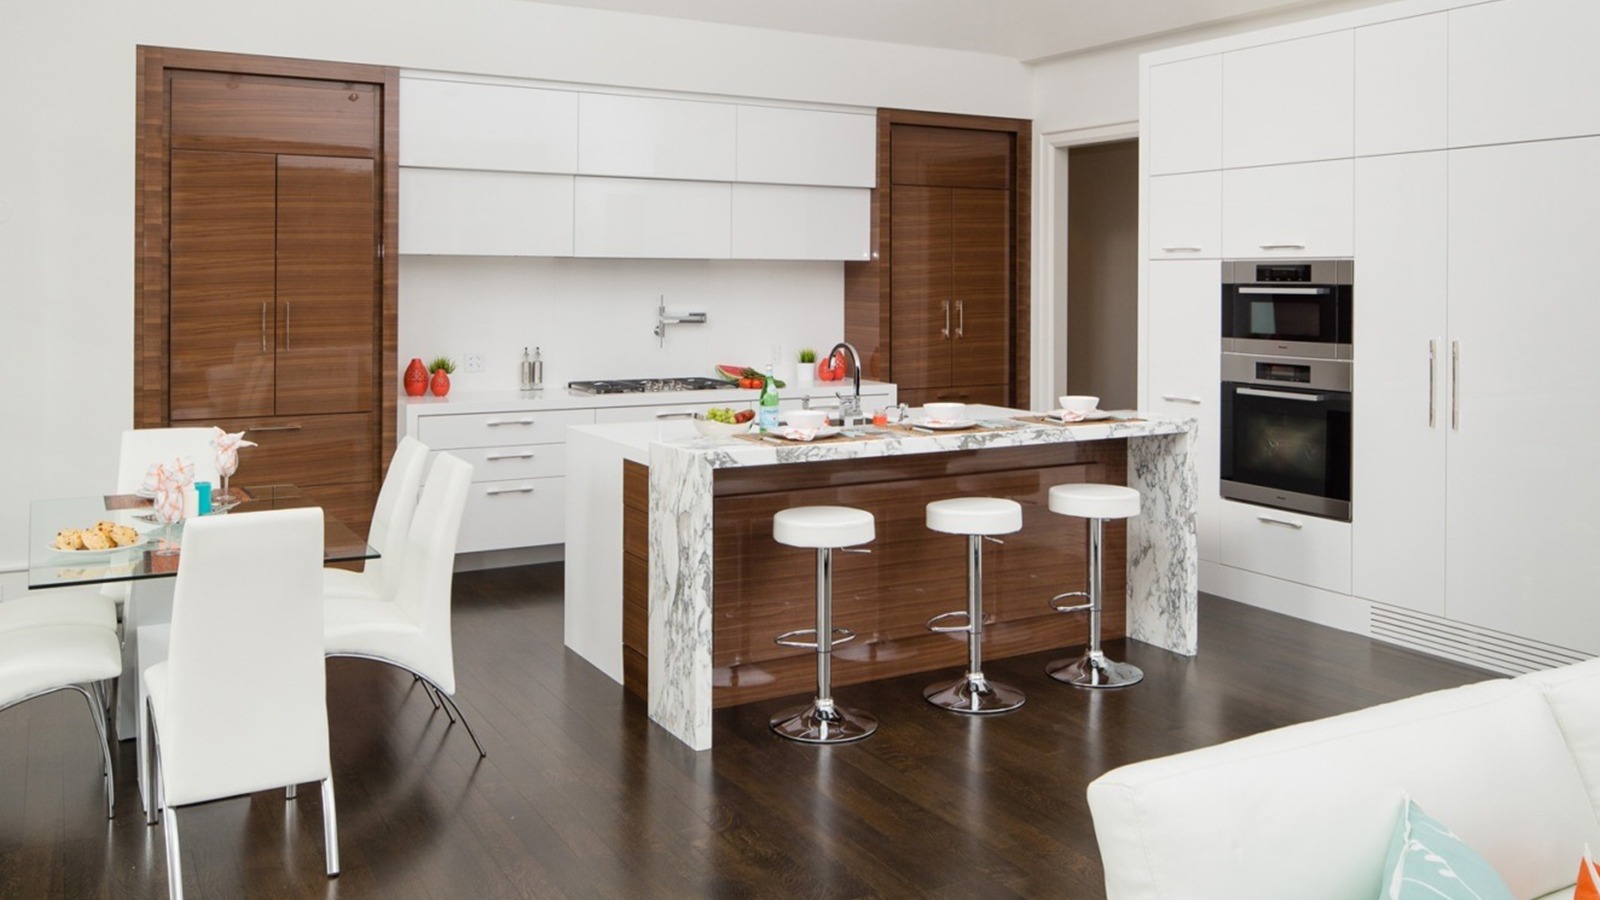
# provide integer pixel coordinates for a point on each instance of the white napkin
(168, 482)
(792, 433)
(1066, 415)
(227, 447)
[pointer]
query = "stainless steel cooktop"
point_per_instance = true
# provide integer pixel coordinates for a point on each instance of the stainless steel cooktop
(649, 385)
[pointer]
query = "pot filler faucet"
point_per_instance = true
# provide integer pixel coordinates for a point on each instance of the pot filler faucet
(849, 407)
(663, 320)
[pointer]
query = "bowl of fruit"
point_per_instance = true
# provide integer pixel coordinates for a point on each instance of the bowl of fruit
(723, 421)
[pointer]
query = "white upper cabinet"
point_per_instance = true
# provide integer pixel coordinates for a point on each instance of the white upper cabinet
(453, 124)
(803, 146)
(651, 137)
(778, 221)
(639, 218)
(1299, 210)
(1400, 86)
(1288, 102)
(457, 212)
(1183, 116)
(1523, 70)
(1185, 216)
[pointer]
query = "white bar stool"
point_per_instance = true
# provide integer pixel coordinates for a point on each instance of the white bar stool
(1097, 503)
(978, 518)
(825, 528)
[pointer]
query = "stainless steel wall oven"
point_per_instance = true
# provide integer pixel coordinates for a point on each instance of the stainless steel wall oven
(1286, 379)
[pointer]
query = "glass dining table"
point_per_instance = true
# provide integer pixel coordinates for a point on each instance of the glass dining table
(141, 574)
(49, 567)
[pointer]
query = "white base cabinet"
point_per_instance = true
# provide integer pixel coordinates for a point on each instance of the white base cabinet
(1295, 547)
(1182, 350)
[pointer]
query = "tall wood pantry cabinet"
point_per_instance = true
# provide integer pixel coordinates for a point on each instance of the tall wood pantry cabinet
(270, 312)
(942, 310)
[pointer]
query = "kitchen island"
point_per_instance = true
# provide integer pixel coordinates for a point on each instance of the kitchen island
(675, 587)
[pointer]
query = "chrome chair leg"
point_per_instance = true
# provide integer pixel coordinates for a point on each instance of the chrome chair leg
(448, 702)
(98, 714)
(1093, 670)
(174, 867)
(972, 692)
(821, 721)
(330, 828)
(291, 792)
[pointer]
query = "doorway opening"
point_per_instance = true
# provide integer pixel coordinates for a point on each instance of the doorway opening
(1102, 261)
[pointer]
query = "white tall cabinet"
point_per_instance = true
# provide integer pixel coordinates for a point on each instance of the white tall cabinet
(1452, 148)
(1523, 490)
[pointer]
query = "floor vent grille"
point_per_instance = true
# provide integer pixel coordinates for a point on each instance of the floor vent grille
(1469, 644)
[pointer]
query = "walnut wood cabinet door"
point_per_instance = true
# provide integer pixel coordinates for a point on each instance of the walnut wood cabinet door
(327, 284)
(920, 270)
(223, 284)
(980, 254)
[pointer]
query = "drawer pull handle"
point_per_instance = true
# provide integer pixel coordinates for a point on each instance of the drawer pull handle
(675, 414)
(1274, 520)
(525, 489)
(1283, 246)
(1180, 249)
(1178, 398)
(260, 428)
(499, 456)
(498, 422)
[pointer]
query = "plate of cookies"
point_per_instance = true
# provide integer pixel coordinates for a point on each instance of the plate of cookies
(102, 537)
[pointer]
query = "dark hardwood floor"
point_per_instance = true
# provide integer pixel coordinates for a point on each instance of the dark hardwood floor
(581, 796)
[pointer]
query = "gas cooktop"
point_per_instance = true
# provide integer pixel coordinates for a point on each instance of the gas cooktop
(648, 385)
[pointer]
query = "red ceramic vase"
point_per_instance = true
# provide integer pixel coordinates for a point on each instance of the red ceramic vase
(441, 383)
(416, 379)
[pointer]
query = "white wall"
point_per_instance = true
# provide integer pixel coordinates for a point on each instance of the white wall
(67, 74)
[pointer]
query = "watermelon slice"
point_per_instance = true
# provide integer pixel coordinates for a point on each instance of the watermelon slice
(730, 373)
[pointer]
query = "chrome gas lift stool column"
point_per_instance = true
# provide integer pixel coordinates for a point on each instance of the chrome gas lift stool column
(1097, 503)
(825, 528)
(978, 518)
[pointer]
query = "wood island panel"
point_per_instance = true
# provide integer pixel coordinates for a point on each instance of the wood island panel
(762, 588)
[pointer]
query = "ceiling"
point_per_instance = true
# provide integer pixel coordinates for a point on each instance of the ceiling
(1026, 30)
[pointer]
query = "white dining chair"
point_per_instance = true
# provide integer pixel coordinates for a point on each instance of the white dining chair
(240, 703)
(409, 627)
(391, 516)
(39, 658)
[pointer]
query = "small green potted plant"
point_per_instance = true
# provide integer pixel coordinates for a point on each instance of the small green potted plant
(441, 368)
(805, 371)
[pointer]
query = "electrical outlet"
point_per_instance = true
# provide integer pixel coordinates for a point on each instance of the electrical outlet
(472, 362)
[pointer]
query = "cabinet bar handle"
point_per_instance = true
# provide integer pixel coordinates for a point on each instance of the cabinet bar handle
(1177, 398)
(288, 325)
(675, 414)
(261, 428)
(263, 328)
(1274, 520)
(1180, 249)
(961, 320)
(946, 332)
(525, 489)
(500, 456)
(1281, 395)
(1455, 385)
(1433, 367)
(498, 422)
(1283, 290)
(1283, 246)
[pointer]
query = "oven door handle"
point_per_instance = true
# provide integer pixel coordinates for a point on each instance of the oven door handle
(1281, 395)
(1283, 290)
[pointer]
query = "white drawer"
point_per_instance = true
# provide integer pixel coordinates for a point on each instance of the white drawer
(521, 461)
(1292, 546)
(517, 513)
(499, 429)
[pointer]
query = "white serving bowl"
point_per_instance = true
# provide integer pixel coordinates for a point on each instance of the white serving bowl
(1079, 403)
(713, 428)
(945, 412)
(809, 419)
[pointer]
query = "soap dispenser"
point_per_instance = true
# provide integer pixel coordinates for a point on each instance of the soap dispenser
(527, 371)
(538, 369)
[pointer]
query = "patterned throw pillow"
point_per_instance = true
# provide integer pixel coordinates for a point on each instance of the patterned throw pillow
(1428, 862)
(1588, 878)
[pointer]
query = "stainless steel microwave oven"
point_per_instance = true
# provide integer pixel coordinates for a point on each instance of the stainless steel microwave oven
(1285, 307)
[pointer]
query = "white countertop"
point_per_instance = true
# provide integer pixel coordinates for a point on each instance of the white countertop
(634, 439)
(562, 398)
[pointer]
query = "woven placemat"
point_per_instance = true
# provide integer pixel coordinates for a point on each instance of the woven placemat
(974, 428)
(775, 441)
(1042, 420)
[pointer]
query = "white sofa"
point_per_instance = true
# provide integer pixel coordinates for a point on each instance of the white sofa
(1306, 812)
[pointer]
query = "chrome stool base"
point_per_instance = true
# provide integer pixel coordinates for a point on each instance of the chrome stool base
(816, 723)
(974, 694)
(1093, 670)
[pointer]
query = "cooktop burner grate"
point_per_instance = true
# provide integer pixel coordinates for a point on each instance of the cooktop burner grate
(649, 385)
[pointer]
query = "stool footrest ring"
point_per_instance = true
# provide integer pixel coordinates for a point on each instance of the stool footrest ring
(787, 639)
(1077, 607)
(950, 629)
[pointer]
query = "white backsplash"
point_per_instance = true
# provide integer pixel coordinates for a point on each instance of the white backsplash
(594, 318)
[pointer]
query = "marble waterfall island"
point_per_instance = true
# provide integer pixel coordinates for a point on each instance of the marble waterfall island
(675, 587)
